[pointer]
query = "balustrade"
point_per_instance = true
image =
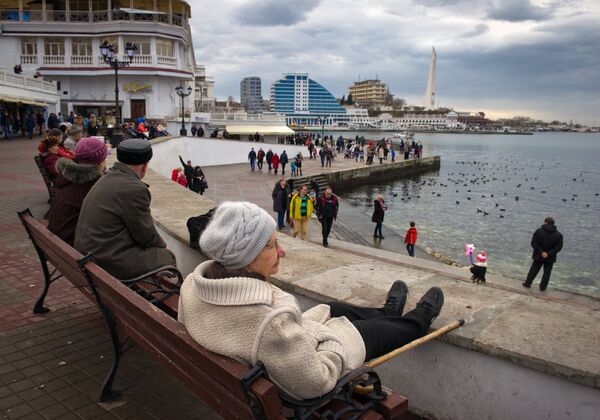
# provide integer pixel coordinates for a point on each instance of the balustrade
(100, 15)
(142, 59)
(81, 60)
(169, 61)
(56, 15)
(54, 59)
(28, 59)
(78, 16)
(177, 20)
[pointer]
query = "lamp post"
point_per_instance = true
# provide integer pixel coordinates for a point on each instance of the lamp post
(322, 127)
(181, 91)
(111, 58)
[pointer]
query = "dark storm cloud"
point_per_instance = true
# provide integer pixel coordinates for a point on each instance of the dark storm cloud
(518, 10)
(273, 12)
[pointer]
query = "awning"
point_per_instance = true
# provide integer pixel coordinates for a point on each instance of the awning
(22, 101)
(265, 130)
(8, 99)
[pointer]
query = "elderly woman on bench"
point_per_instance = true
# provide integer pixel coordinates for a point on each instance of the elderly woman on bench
(229, 306)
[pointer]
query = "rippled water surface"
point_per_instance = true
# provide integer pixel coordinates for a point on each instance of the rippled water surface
(494, 191)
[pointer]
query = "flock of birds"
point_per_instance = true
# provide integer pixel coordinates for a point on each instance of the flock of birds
(474, 180)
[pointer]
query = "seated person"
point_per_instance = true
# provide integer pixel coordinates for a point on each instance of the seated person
(75, 178)
(229, 306)
(115, 224)
(71, 141)
(51, 150)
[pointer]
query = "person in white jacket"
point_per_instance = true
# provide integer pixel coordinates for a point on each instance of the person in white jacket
(228, 306)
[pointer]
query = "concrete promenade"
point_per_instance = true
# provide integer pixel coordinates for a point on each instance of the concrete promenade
(51, 365)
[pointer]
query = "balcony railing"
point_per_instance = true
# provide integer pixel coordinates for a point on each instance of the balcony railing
(28, 59)
(23, 81)
(89, 16)
(169, 61)
(54, 59)
(81, 60)
(142, 59)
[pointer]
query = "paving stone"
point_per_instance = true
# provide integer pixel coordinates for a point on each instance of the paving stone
(18, 411)
(42, 402)
(54, 411)
(10, 401)
(22, 385)
(90, 411)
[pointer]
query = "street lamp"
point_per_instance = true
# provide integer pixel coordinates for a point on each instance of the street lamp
(108, 54)
(183, 93)
(322, 119)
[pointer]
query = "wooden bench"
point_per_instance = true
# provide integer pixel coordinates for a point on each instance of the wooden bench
(232, 389)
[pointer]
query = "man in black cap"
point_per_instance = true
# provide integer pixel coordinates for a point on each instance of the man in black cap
(546, 242)
(115, 224)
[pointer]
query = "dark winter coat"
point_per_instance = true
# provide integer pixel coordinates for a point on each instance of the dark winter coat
(280, 197)
(269, 156)
(378, 212)
(283, 159)
(546, 239)
(116, 227)
(327, 207)
(252, 155)
(70, 188)
(188, 170)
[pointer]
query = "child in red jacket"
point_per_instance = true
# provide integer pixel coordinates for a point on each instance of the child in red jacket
(411, 239)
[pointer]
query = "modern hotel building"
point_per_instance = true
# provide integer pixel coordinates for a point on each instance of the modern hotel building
(60, 41)
(305, 102)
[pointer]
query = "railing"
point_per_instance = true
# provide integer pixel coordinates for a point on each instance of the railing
(56, 15)
(28, 59)
(119, 15)
(177, 20)
(9, 15)
(169, 61)
(81, 60)
(54, 59)
(145, 17)
(24, 82)
(142, 59)
(78, 16)
(100, 15)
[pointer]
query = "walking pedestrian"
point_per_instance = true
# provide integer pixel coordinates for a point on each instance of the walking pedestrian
(280, 194)
(299, 160)
(301, 208)
(411, 239)
(379, 209)
(546, 242)
(252, 158)
(269, 158)
(260, 156)
(283, 160)
(322, 156)
(327, 209)
(275, 162)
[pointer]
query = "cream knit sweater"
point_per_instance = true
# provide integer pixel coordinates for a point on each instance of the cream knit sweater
(251, 320)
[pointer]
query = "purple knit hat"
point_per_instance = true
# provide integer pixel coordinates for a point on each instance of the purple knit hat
(91, 150)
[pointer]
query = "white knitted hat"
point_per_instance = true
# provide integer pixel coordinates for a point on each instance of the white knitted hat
(236, 234)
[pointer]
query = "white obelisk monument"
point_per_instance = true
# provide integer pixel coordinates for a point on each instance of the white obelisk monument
(429, 100)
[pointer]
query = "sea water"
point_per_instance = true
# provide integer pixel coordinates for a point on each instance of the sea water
(494, 191)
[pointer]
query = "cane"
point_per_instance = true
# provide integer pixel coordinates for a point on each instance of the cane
(415, 343)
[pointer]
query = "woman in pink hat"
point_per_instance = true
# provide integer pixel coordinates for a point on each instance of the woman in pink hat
(75, 178)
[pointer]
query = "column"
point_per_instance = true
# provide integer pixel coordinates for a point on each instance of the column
(68, 10)
(109, 7)
(90, 13)
(171, 12)
(153, 49)
(40, 50)
(20, 10)
(68, 51)
(44, 17)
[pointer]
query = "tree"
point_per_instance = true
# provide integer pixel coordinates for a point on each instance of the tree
(398, 103)
(349, 101)
(343, 100)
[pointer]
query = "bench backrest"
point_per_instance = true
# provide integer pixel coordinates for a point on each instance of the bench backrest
(45, 175)
(214, 378)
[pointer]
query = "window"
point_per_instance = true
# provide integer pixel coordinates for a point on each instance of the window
(28, 46)
(54, 46)
(164, 47)
(82, 47)
(142, 44)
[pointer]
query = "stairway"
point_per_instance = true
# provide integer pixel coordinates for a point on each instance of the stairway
(301, 180)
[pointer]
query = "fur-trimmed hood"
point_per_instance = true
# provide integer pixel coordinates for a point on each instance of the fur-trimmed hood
(77, 173)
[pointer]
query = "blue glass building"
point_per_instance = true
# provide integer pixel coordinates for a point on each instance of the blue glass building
(305, 101)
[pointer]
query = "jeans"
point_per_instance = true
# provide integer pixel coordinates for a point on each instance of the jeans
(283, 169)
(281, 219)
(326, 223)
(381, 332)
(377, 232)
(535, 269)
(252, 164)
(411, 249)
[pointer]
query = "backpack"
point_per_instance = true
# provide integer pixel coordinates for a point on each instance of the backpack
(196, 225)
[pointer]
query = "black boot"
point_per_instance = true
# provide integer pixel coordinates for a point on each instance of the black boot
(431, 302)
(396, 298)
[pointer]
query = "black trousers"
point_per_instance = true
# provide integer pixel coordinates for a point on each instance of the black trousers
(377, 231)
(535, 269)
(383, 333)
(326, 223)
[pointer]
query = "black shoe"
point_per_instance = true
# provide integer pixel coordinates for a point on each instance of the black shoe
(431, 302)
(194, 245)
(396, 298)
(325, 244)
(542, 289)
(526, 285)
(381, 237)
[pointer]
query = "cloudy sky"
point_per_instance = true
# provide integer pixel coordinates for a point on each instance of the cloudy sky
(505, 57)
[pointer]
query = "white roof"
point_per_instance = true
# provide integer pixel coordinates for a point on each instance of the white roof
(273, 130)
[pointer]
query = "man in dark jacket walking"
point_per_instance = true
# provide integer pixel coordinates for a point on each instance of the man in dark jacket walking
(280, 197)
(327, 209)
(547, 241)
(188, 171)
(283, 160)
(269, 157)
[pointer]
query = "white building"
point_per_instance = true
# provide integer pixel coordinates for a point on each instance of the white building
(60, 40)
(20, 89)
